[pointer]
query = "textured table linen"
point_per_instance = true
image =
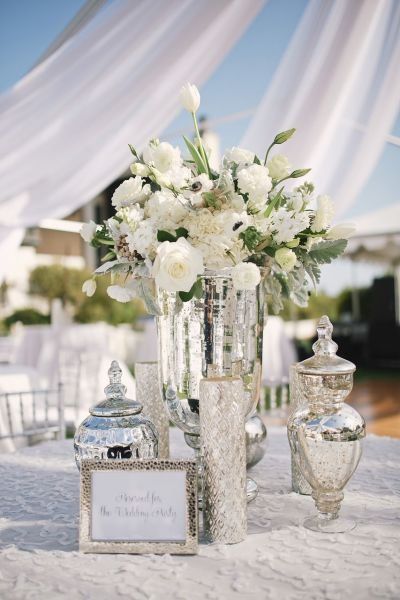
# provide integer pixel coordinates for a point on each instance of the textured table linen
(39, 558)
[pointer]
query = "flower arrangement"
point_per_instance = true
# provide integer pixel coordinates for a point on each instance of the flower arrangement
(177, 218)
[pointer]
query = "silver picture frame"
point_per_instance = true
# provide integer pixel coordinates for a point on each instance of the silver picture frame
(89, 545)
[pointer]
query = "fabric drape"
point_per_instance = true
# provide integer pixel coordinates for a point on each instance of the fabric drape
(65, 127)
(339, 85)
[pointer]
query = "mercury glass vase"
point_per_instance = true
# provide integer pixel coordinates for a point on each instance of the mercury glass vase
(219, 334)
(326, 434)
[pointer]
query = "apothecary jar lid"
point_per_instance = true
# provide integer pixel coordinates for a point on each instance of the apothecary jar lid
(115, 428)
(325, 361)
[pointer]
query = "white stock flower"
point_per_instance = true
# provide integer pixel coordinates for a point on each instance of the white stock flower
(323, 214)
(340, 232)
(240, 156)
(279, 167)
(130, 191)
(245, 276)
(162, 156)
(295, 201)
(88, 231)
(144, 239)
(120, 293)
(255, 182)
(177, 266)
(286, 259)
(190, 97)
(89, 287)
(286, 225)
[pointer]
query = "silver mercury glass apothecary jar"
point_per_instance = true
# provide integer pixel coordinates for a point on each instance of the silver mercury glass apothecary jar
(115, 428)
(325, 434)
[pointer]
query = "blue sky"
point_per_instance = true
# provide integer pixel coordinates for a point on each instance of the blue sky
(27, 27)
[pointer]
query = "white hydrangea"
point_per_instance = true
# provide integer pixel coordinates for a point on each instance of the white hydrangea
(202, 223)
(130, 191)
(323, 214)
(255, 182)
(279, 167)
(286, 225)
(240, 156)
(165, 209)
(144, 239)
(132, 215)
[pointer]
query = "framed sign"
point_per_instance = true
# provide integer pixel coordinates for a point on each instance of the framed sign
(138, 506)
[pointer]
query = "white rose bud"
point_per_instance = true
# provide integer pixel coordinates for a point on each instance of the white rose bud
(279, 167)
(89, 287)
(340, 232)
(190, 97)
(139, 169)
(286, 259)
(88, 231)
(245, 276)
(177, 266)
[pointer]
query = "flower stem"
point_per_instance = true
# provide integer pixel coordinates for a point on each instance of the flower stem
(268, 151)
(201, 149)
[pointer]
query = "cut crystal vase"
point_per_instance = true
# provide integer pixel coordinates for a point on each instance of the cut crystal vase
(218, 334)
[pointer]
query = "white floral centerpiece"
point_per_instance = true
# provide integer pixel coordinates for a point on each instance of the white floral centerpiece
(176, 218)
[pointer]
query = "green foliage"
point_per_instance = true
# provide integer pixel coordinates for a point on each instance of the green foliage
(299, 173)
(326, 251)
(166, 236)
(56, 281)
(27, 316)
(251, 237)
(195, 291)
(201, 167)
(283, 137)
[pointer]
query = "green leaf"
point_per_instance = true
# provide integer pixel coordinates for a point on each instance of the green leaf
(165, 236)
(282, 137)
(299, 173)
(313, 271)
(251, 237)
(326, 251)
(212, 200)
(273, 203)
(109, 256)
(201, 167)
(132, 149)
(256, 160)
(181, 232)
(196, 290)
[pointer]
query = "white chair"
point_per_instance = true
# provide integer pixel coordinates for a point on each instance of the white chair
(28, 417)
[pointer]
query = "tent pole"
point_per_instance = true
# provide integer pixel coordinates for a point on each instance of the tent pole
(355, 294)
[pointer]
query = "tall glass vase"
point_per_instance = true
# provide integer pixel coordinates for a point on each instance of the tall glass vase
(218, 334)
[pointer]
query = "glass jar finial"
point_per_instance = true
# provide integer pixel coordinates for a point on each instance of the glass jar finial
(325, 346)
(115, 389)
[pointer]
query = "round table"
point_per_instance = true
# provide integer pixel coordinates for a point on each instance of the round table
(39, 558)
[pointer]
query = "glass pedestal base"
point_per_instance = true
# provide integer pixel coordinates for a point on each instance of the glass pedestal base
(251, 490)
(338, 525)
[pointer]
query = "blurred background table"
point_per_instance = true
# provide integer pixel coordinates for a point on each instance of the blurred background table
(39, 555)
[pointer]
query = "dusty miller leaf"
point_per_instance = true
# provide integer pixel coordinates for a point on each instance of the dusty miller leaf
(324, 252)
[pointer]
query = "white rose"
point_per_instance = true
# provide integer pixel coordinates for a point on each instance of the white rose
(323, 214)
(340, 232)
(279, 167)
(120, 293)
(88, 231)
(140, 169)
(130, 191)
(245, 276)
(177, 266)
(255, 182)
(190, 97)
(89, 287)
(239, 156)
(286, 259)
(144, 239)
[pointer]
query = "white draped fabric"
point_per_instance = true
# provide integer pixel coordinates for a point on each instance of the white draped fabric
(66, 125)
(339, 85)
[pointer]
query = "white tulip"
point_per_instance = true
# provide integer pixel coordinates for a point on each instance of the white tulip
(286, 259)
(88, 231)
(177, 266)
(190, 97)
(245, 276)
(89, 287)
(340, 232)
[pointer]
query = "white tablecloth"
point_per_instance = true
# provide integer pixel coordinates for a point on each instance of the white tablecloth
(39, 556)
